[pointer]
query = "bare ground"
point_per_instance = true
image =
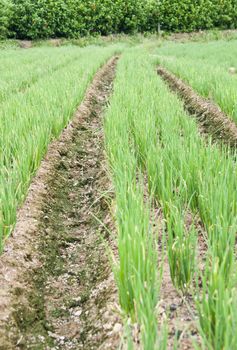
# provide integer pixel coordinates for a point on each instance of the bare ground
(202, 35)
(180, 310)
(57, 288)
(210, 117)
(177, 310)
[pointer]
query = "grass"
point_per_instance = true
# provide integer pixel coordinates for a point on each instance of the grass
(181, 248)
(38, 112)
(157, 158)
(136, 270)
(187, 175)
(206, 68)
(22, 70)
(216, 305)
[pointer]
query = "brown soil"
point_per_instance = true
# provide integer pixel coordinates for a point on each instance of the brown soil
(25, 44)
(57, 288)
(202, 35)
(211, 119)
(177, 310)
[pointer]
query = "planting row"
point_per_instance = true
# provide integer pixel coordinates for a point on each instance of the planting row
(29, 120)
(210, 69)
(148, 133)
(157, 158)
(24, 68)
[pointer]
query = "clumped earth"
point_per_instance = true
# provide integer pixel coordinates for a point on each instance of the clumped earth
(57, 288)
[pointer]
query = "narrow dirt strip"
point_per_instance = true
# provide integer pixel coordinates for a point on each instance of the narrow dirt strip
(177, 310)
(56, 286)
(213, 121)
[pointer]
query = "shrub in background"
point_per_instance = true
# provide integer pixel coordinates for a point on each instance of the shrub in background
(38, 19)
(138, 16)
(191, 15)
(186, 15)
(72, 18)
(5, 15)
(225, 14)
(43, 18)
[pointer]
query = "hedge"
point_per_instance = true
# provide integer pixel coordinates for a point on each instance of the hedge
(73, 18)
(35, 19)
(5, 16)
(191, 15)
(226, 14)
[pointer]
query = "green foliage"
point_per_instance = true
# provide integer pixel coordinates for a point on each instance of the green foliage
(39, 19)
(214, 61)
(225, 13)
(34, 100)
(5, 14)
(136, 271)
(191, 15)
(181, 248)
(186, 15)
(72, 18)
(43, 18)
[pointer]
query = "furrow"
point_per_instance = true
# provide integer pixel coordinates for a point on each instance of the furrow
(57, 287)
(212, 120)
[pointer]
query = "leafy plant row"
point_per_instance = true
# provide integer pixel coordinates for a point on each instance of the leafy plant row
(148, 132)
(31, 118)
(35, 19)
(136, 269)
(209, 69)
(21, 71)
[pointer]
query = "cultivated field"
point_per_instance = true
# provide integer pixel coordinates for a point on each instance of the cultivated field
(38, 96)
(209, 69)
(120, 230)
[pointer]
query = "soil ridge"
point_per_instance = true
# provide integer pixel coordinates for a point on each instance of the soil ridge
(57, 288)
(212, 120)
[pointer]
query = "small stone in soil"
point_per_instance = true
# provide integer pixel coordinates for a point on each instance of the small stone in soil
(173, 307)
(117, 328)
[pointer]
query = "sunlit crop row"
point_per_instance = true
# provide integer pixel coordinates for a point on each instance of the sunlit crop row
(211, 69)
(149, 136)
(157, 157)
(29, 119)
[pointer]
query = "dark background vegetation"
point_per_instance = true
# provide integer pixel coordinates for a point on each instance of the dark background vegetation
(38, 19)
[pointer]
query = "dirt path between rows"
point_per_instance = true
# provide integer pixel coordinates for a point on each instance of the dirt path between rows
(176, 310)
(210, 117)
(57, 288)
